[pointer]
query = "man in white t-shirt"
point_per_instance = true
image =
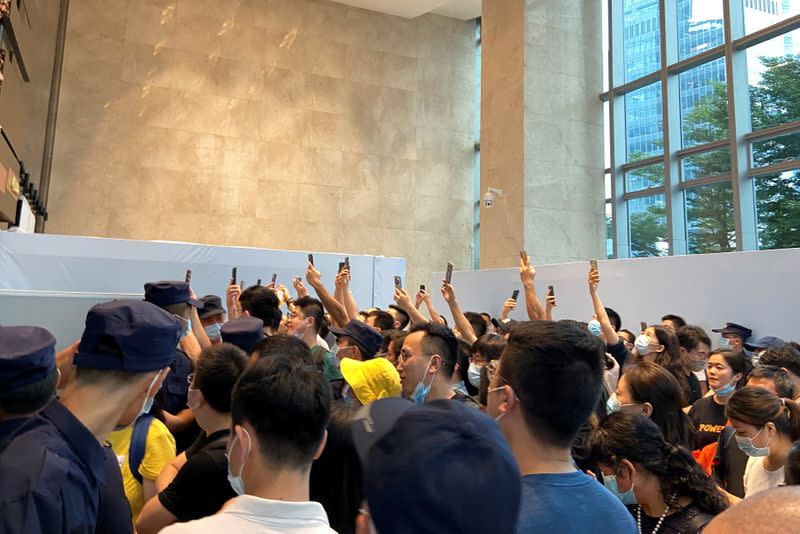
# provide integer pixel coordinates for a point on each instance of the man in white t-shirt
(280, 409)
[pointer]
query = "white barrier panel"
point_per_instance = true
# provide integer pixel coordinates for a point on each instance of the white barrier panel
(65, 266)
(760, 290)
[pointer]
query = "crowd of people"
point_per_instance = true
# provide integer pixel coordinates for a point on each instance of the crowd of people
(272, 410)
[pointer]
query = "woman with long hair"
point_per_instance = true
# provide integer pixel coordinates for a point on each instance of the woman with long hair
(660, 345)
(672, 492)
(766, 426)
(651, 390)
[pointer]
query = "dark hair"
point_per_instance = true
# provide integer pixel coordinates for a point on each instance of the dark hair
(791, 470)
(463, 365)
(398, 336)
(786, 356)
(676, 320)
(263, 304)
(311, 307)
(690, 337)
(287, 402)
(736, 361)
(623, 436)
(439, 340)
(215, 373)
(651, 383)
(479, 326)
(381, 319)
(627, 333)
(672, 359)
(556, 370)
(336, 476)
(283, 344)
(486, 317)
(778, 375)
(490, 346)
(30, 398)
(387, 335)
(758, 406)
(614, 318)
(403, 318)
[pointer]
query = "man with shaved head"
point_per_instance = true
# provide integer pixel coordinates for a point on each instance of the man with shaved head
(776, 511)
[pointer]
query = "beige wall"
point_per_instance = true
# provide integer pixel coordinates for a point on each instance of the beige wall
(290, 124)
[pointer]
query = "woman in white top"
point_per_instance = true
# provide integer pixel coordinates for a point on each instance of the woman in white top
(766, 426)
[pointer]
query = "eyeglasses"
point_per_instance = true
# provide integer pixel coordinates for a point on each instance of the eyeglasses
(405, 355)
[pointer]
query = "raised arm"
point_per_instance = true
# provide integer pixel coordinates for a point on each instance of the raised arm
(337, 311)
(527, 273)
(459, 319)
(349, 300)
(403, 300)
(610, 335)
(435, 317)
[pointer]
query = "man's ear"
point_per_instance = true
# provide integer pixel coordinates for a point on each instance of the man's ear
(647, 409)
(322, 444)
(436, 363)
(397, 325)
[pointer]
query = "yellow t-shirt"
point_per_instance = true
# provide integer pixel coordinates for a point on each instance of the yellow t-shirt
(159, 451)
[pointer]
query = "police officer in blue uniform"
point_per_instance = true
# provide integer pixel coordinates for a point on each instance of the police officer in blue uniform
(244, 332)
(56, 475)
(175, 297)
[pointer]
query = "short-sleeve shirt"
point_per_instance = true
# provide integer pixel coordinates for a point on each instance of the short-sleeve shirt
(709, 420)
(757, 478)
(571, 502)
(201, 487)
(159, 451)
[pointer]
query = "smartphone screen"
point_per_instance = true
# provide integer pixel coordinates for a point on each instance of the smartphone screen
(550, 291)
(341, 266)
(398, 283)
(515, 294)
(188, 276)
(422, 287)
(449, 275)
(258, 282)
(233, 276)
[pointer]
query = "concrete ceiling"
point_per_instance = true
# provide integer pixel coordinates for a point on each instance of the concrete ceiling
(458, 9)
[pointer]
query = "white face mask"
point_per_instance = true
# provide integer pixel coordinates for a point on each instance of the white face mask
(236, 481)
(148, 400)
(474, 375)
(642, 345)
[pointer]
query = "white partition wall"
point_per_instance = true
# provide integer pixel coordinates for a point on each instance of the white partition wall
(45, 277)
(757, 289)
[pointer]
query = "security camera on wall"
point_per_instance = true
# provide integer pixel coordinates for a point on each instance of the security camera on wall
(489, 196)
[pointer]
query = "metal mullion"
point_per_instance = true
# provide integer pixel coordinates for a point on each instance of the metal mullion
(765, 34)
(616, 117)
(640, 163)
(791, 165)
(739, 121)
(690, 184)
(670, 113)
(638, 83)
(698, 149)
(773, 131)
(695, 61)
(650, 191)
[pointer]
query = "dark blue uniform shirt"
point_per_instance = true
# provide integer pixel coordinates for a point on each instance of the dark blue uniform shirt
(56, 477)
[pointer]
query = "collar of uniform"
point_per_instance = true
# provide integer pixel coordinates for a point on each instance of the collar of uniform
(81, 441)
(10, 428)
(308, 513)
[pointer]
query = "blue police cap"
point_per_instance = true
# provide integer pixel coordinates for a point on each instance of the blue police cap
(363, 334)
(168, 292)
(244, 332)
(145, 334)
(27, 355)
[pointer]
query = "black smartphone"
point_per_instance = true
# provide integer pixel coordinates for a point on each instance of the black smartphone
(188, 276)
(274, 277)
(311, 259)
(449, 274)
(422, 287)
(643, 325)
(398, 283)
(341, 266)
(550, 291)
(258, 282)
(233, 276)
(514, 295)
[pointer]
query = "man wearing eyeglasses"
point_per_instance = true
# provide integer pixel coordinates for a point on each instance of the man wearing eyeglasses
(426, 364)
(195, 484)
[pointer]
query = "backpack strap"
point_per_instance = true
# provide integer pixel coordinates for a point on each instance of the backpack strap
(699, 522)
(138, 444)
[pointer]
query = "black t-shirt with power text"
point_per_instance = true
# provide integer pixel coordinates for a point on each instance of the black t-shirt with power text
(201, 487)
(709, 419)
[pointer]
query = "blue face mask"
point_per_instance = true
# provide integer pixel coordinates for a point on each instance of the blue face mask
(610, 482)
(726, 390)
(236, 481)
(474, 375)
(612, 404)
(724, 343)
(213, 331)
(747, 447)
(594, 327)
(421, 391)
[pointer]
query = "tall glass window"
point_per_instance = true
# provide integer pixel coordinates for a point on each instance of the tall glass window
(706, 132)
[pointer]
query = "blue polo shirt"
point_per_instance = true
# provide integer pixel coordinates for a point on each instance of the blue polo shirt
(54, 476)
